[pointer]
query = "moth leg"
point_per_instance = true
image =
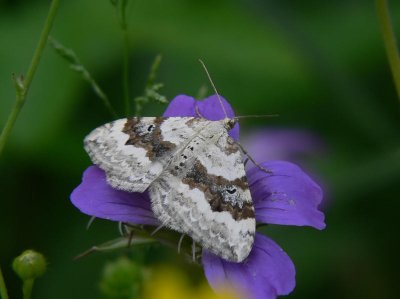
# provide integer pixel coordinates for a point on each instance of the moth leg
(245, 161)
(194, 251)
(252, 160)
(121, 228)
(90, 222)
(130, 239)
(180, 243)
(198, 112)
(124, 231)
(157, 229)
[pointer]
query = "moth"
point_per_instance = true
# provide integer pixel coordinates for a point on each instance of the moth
(193, 171)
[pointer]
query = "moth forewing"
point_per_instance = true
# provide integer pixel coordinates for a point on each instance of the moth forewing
(134, 151)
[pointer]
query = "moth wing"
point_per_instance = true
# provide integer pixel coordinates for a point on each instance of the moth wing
(206, 196)
(134, 151)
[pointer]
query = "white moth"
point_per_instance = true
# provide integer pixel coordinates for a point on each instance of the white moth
(193, 171)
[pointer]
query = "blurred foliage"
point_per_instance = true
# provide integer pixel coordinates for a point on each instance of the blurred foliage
(167, 283)
(76, 66)
(122, 279)
(320, 65)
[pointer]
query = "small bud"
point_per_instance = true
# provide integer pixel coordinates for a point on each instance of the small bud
(29, 265)
(121, 279)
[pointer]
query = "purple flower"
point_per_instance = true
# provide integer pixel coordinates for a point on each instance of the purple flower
(285, 196)
(283, 144)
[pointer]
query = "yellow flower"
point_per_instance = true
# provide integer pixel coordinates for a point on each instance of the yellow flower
(168, 283)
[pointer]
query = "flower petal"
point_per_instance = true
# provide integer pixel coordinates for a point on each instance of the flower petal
(96, 198)
(266, 273)
(181, 105)
(210, 108)
(287, 196)
(283, 144)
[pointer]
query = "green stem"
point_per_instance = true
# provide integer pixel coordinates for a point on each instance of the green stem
(3, 288)
(125, 68)
(125, 71)
(390, 41)
(22, 85)
(27, 288)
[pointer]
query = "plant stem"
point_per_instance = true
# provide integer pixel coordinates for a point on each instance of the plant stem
(27, 288)
(3, 288)
(125, 71)
(125, 68)
(22, 85)
(390, 41)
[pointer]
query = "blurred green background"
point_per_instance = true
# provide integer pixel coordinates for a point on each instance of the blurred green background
(320, 65)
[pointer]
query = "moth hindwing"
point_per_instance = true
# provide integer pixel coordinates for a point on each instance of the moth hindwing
(193, 171)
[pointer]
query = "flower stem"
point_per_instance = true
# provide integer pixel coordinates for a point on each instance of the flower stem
(3, 288)
(23, 84)
(27, 288)
(125, 67)
(390, 41)
(126, 71)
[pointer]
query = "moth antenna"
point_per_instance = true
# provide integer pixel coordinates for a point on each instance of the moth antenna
(213, 86)
(257, 116)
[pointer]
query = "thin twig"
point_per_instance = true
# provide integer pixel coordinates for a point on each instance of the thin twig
(22, 84)
(126, 49)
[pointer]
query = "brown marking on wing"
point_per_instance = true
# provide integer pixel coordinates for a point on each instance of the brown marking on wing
(147, 136)
(192, 121)
(214, 188)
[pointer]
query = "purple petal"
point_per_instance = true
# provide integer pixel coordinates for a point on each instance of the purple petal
(181, 105)
(282, 144)
(96, 198)
(210, 108)
(287, 196)
(266, 273)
